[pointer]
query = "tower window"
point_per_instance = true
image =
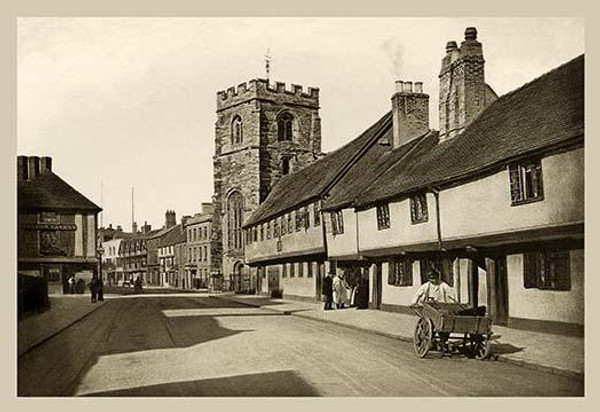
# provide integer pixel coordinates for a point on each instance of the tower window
(285, 166)
(284, 127)
(236, 130)
(234, 218)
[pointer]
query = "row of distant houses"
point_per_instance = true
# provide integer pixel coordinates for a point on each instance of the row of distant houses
(176, 255)
(494, 199)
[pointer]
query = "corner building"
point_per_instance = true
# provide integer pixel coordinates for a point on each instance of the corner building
(262, 133)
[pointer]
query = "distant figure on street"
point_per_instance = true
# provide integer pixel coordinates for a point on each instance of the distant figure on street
(100, 290)
(72, 284)
(327, 290)
(93, 285)
(138, 285)
(340, 290)
(435, 289)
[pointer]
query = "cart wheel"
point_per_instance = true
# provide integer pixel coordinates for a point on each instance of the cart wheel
(480, 346)
(423, 337)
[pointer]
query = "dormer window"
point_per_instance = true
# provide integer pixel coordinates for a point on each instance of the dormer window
(236, 130)
(284, 127)
(526, 182)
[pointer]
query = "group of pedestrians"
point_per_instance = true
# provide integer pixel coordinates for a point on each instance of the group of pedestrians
(337, 291)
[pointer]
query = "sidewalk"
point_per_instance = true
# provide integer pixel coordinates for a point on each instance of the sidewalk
(64, 311)
(556, 354)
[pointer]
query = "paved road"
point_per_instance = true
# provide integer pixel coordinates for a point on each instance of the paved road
(203, 346)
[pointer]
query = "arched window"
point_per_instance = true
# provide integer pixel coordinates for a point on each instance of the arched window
(234, 220)
(236, 130)
(284, 127)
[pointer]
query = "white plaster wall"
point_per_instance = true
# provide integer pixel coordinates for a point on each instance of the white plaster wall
(303, 286)
(553, 305)
(400, 295)
(402, 231)
(343, 244)
(484, 206)
(91, 235)
(295, 243)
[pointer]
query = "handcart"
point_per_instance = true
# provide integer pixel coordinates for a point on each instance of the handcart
(452, 327)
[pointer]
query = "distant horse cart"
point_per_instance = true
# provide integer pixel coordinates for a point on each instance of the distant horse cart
(452, 327)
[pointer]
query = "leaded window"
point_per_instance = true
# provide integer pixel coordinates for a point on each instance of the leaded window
(383, 217)
(234, 220)
(284, 127)
(526, 182)
(418, 208)
(549, 269)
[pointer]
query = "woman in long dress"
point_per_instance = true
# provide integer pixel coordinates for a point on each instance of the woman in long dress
(340, 294)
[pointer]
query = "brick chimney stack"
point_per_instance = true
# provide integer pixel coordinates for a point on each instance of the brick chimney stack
(410, 112)
(170, 218)
(463, 92)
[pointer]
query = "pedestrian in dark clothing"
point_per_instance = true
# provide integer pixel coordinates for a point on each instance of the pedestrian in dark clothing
(327, 290)
(100, 290)
(93, 285)
(138, 285)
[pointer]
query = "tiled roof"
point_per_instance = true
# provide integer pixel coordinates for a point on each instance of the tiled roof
(173, 237)
(309, 183)
(376, 161)
(542, 113)
(48, 191)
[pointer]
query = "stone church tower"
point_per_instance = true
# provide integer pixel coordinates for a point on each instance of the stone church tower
(262, 133)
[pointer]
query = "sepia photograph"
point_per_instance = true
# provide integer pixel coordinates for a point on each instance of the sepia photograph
(300, 207)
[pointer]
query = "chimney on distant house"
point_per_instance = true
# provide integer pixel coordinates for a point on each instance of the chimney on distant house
(170, 218)
(29, 167)
(463, 92)
(410, 112)
(146, 228)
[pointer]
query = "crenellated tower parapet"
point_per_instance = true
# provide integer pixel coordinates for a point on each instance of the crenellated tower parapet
(262, 89)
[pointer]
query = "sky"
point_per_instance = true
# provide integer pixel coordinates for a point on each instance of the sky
(130, 102)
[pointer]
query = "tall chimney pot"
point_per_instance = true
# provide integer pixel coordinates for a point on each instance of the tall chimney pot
(418, 87)
(399, 86)
(408, 87)
(471, 33)
(451, 46)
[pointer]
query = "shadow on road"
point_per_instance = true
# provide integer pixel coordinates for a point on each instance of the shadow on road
(270, 384)
(120, 326)
(505, 348)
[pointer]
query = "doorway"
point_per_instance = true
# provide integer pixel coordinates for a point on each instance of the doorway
(497, 280)
(377, 286)
(319, 280)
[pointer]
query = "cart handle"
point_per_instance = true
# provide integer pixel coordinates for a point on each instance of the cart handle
(464, 307)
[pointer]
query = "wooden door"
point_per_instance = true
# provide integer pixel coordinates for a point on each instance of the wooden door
(498, 290)
(377, 286)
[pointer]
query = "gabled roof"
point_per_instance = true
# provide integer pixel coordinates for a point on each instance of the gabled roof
(48, 191)
(173, 237)
(542, 113)
(310, 182)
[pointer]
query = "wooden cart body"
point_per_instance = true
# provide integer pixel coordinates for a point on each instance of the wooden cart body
(446, 318)
(442, 327)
